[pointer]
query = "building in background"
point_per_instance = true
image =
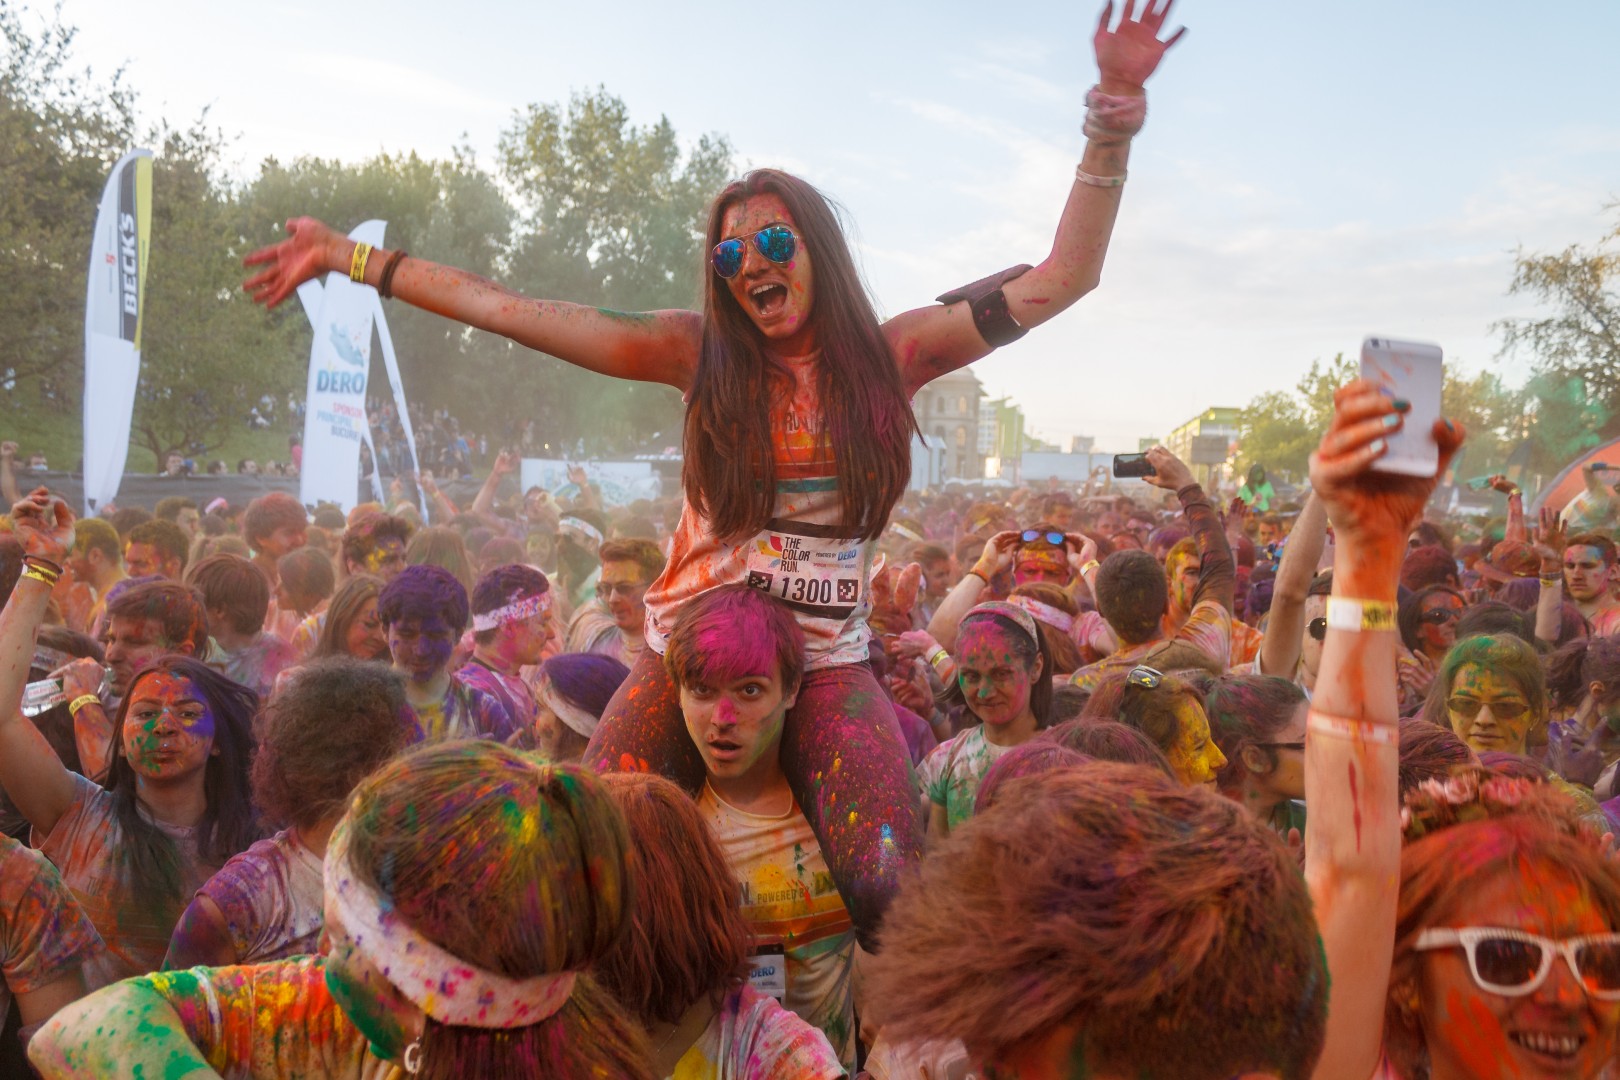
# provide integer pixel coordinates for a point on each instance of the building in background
(948, 409)
(1205, 443)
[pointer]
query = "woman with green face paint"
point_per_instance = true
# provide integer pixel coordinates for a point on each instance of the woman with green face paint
(1491, 692)
(468, 887)
(1004, 676)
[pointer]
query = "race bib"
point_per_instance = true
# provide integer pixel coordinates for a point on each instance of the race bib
(813, 569)
(767, 971)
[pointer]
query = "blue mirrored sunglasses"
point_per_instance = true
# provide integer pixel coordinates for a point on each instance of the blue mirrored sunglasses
(776, 242)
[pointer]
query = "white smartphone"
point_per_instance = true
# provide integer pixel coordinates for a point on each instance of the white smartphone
(1412, 370)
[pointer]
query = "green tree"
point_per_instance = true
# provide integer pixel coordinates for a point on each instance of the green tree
(1280, 428)
(61, 131)
(450, 211)
(1580, 338)
(612, 215)
(207, 355)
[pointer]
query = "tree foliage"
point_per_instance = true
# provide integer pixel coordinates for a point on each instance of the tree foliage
(62, 130)
(1580, 338)
(612, 215)
(582, 205)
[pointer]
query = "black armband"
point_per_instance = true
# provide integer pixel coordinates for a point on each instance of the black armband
(989, 306)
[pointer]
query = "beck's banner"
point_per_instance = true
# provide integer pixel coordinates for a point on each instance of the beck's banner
(112, 324)
(339, 361)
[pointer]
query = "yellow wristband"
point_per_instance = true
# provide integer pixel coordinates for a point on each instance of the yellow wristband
(80, 702)
(938, 654)
(357, 262)
(1089, 567)
(39, 574)
(1357, 616)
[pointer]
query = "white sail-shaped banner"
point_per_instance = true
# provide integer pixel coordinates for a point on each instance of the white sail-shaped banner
(115, 296)
(339, 361)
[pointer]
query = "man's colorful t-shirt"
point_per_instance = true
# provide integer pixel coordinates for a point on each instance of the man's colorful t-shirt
(753, 1038)
(465, 713)
(789, 897)
(511, 691)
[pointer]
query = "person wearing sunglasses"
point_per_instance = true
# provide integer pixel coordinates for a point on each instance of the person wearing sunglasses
(615, 622)
(1258, 721)
(798, 431)
(1427, 621)
(1497, 957)
(1490, 690)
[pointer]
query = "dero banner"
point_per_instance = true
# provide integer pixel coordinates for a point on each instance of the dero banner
(339, 360)
(112, 324)
(344, 425)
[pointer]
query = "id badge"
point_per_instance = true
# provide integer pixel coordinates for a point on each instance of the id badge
(767, 971)
(810, 568)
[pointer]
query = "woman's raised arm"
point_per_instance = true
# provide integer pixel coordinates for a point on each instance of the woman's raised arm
(34, 777)
(1353, 845)
(930, 341)
(653, 346)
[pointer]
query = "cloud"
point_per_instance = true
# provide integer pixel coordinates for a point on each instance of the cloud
(1218, 287)
(398, 84)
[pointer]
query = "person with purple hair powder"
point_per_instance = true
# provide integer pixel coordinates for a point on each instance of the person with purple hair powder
(798, 433)
(423, 612)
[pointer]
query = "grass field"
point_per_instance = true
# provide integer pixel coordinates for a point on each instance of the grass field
(62, 439)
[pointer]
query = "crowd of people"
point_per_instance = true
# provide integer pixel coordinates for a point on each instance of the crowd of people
(803, 775)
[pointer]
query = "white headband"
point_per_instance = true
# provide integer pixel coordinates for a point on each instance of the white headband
(1054, 617)
(578, 719)
(513, 612)
(446, 988)
(579, 526)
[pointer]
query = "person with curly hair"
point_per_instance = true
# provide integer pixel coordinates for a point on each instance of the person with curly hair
(329, 725)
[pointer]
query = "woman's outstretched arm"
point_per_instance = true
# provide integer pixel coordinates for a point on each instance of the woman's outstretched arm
(930, 341)
(653, 346)
(1352, 748)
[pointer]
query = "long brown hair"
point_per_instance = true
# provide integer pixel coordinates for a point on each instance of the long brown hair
(729, 474)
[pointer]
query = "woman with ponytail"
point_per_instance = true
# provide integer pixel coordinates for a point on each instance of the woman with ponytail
(468, 887)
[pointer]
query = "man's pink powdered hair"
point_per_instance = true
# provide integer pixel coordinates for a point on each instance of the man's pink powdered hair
(731, 633)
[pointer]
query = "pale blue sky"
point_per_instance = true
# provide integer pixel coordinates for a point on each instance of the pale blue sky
(1310, 173)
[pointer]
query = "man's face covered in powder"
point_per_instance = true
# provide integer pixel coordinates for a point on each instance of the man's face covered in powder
(421, 647)
(168, 729)
(131, 644)
(1039, 562)
(387, 558)
(736, 725)
(996, 679)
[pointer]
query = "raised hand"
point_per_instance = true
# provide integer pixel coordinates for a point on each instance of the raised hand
(1574, 753)
(997, 556)
(1082, 549)
(1129, 54)
(1372, 507)
(1501, 483)
(309, 251)
(43, 524)
(507, 462)
(1169, 471)
(1551, 539)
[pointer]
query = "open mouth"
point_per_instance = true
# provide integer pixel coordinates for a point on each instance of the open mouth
(768, 298)
(725, 751)
(1561, 1049)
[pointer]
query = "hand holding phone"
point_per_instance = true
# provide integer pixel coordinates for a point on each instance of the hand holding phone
(1132, 465)
(1411, 371)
